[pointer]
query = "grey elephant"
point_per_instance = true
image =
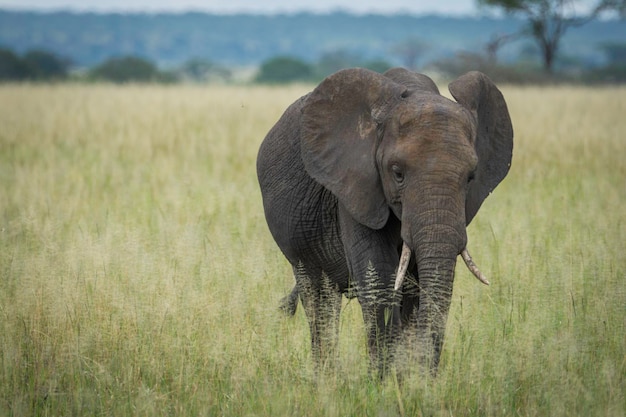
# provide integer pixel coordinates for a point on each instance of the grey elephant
(368, 184)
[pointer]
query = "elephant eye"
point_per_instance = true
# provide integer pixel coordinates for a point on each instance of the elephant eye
(471, 177)
(398, 175)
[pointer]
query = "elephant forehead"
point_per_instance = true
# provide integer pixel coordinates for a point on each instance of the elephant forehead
(436, 118)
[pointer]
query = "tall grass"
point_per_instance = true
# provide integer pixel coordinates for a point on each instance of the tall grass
(138, 277)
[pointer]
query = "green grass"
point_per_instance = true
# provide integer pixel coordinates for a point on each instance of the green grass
(138, 277)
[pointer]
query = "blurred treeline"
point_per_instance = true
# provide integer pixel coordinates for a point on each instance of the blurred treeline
(46, 66)
(525, 70)
(197, 47)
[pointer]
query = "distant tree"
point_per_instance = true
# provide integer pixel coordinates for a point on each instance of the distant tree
(126, 69)
(462, 62)
(331, 62)
(201, 70)
(496, 42)
(615, 69)
(284, 69)
(548, 20)
(410, 51)
(44, 65)
(615, 52)
(609, 74)
(12, 68)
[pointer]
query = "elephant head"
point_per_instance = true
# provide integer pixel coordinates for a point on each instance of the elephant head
(391, 145)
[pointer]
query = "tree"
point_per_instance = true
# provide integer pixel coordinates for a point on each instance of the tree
(410, 51)
(44, 65)
(548, 20)
(615, 53)
(615, 69)
(12, 68)
(201, 70)
(284, 70)
(126, 69)
(37, 65)
(495, 43)
(333, 61)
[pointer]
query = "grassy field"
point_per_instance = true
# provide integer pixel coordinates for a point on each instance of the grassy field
(138, 277)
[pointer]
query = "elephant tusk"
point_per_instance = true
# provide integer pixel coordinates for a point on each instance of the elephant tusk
(405, 257)
(472, 267)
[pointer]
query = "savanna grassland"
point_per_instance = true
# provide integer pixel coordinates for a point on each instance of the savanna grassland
(138, 277)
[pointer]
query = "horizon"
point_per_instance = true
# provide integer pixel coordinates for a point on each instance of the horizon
(270, 7)
(256, 13)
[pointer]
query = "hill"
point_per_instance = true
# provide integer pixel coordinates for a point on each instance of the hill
(246, 40)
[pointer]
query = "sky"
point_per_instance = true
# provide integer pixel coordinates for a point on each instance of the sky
(449, 7)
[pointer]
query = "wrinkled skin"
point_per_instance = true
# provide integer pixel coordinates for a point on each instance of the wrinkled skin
(368, 162)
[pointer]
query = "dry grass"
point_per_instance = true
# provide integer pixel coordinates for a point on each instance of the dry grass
(137, 275)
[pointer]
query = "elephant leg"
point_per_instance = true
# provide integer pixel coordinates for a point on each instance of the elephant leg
(373, 259)
(321, 300)
(381, 315)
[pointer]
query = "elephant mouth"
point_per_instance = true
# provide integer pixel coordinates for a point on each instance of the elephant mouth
(405, 258)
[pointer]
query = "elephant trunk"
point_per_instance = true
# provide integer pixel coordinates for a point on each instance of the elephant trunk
(436, 276)
(436, 243)
(433, 229)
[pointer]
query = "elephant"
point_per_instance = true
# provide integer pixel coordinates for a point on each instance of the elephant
(368, 183)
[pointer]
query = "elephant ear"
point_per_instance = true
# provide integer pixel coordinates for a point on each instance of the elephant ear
(494, 135)
(412, 80)
(340, 124)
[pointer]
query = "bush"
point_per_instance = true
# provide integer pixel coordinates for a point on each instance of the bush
(34, 65)
(463, 62)
(12, 68)
(44, 65)
(284, 70)
(611, 74)
(200, 70)
(332, 62)
(127, 69)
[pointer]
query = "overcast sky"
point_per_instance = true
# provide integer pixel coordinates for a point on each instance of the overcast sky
(456, 7)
